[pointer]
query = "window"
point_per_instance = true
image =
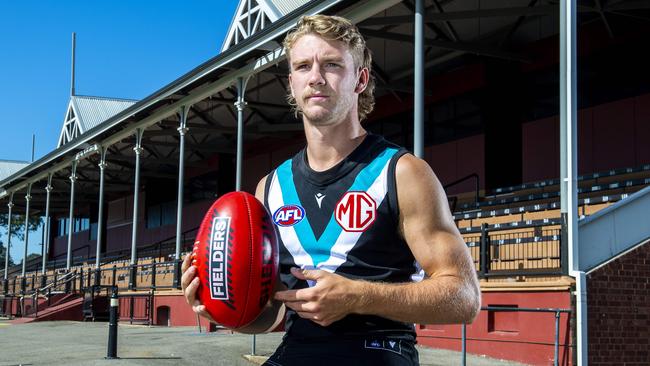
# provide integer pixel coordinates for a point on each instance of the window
(78, 224)
(161, 214)
(160, 202)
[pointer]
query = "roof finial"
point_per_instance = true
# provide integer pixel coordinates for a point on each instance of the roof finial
(73, 55)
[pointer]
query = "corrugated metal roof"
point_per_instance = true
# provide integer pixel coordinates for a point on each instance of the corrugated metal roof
(9, 167)
(91, 111)
(286, 6)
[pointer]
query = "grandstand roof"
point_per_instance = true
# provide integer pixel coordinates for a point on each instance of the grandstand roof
(9, 167)
(246, 22)
(86, 112)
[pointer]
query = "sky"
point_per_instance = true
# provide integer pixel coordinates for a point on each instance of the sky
(124, 49)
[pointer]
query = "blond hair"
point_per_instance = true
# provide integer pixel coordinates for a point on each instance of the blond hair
(340, 29)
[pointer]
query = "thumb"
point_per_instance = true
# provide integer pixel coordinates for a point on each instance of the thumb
(307, 274)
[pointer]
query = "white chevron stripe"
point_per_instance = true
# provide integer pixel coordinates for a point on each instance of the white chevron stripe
(347, 240)
(288, 233)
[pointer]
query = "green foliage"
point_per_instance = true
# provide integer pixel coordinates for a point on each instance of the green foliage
(18, 224)
(3, 251)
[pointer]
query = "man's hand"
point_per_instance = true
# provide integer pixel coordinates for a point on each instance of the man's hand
(331, 299)
(190, 284)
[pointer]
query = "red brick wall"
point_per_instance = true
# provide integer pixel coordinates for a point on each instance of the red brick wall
(619, 310)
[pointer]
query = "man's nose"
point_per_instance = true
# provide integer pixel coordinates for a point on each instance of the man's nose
(316, 75)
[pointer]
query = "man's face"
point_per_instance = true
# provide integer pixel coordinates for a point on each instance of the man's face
(323, 80)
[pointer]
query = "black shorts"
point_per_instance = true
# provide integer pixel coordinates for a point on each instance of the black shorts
(342, 352)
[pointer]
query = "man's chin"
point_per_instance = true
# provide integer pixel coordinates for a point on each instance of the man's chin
(320, 121)
(319, 118)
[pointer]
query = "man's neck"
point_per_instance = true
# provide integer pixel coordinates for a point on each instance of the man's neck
(328, 145)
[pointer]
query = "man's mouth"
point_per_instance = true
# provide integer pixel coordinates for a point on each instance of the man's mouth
(317, 97)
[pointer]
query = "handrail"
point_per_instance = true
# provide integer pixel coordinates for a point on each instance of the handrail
(87, 246)
(461, 180)
(556, 338)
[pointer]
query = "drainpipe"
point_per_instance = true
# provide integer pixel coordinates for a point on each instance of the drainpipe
(569, 168)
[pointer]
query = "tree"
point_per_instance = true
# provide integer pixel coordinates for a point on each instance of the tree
(3, 251)
(18, 224)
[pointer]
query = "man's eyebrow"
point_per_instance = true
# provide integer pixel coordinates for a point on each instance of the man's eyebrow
(299, 61)
(332, 58)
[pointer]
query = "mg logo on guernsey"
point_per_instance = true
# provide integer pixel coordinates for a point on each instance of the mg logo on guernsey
(356, 211)
(288, 215)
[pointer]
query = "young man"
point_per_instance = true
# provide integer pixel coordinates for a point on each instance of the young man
(372, 211)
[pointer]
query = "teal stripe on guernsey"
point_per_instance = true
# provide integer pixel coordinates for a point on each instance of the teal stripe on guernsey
(320, 249)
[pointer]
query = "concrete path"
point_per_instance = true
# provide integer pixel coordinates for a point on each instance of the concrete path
(75, 343)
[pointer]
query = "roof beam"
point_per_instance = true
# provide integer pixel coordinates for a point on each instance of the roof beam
(465, 14)
(478, 49)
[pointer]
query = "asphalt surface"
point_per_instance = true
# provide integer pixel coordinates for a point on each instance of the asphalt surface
(75, 343)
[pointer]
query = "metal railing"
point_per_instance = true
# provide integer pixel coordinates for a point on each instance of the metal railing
(527, 250)
(556, 337)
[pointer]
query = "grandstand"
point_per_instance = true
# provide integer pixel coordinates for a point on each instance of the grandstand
(491, 117)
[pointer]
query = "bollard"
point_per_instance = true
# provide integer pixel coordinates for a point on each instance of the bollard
(98, 275)
(111, 353)
(464, 345)
(557, 339)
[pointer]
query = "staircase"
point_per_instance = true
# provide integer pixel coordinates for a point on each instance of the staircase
(68, 307)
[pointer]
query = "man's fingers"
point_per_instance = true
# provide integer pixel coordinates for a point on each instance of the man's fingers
(190, 291)
(307, 274)
(187, 261)
(302, 306)
(187, 277)
(294, 295)
(200, 309)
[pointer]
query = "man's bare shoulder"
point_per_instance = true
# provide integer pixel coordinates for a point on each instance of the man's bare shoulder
(412, 171)
(420, 194)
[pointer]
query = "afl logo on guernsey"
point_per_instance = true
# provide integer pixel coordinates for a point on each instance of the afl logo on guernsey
(288, 215)
(356, 211)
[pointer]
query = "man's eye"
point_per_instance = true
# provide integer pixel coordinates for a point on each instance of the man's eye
(332, 64)
(301, 67)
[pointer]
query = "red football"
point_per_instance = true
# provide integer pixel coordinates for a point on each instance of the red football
(236, 254)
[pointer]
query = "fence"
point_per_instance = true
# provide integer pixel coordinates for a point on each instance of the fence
(526, 250)
(556, 336)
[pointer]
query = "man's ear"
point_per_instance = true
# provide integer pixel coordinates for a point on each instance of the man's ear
(362, 80)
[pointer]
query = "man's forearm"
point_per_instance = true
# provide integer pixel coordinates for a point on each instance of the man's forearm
(444, 299)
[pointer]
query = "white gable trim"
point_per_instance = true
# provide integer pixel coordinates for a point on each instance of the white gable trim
(71, 125)
(261, 12)
(270, 10)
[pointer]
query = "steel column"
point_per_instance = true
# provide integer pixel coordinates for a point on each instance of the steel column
(28, 198)
(569, 167)
(73, 179)
(46, 242)
(10, 205)
(136, 204)
(240, 104)
(568, 127)
(418, 100)
(100, 214)
(182, 130)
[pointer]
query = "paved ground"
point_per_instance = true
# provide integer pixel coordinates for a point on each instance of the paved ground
(74, 343)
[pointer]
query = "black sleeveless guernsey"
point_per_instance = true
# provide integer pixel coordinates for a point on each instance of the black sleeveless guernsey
(343, 220)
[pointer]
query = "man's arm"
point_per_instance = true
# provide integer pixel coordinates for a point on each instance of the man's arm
(448, 294)
(268, 319)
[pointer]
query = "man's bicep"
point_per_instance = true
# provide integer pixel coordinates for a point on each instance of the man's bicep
(425, 220)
